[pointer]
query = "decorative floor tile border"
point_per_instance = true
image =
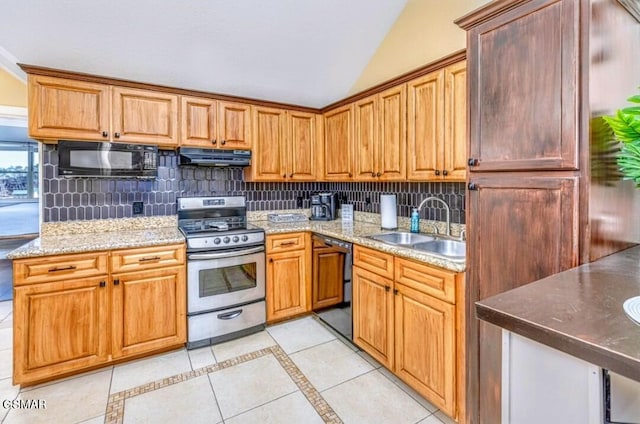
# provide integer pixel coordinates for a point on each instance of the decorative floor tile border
(115, 406)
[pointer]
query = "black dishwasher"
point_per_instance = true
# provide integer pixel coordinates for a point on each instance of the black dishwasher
(331, 283)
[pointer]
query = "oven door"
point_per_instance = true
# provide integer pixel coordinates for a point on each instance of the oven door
(218, 280)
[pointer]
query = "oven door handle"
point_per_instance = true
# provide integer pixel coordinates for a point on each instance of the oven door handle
(220, 255)
(230, 315)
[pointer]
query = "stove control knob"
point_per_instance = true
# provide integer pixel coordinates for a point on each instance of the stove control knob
(216, 240)
(235, 239)
(226, 240)
(245, 238)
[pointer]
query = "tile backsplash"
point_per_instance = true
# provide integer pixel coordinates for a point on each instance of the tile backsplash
(69, 199)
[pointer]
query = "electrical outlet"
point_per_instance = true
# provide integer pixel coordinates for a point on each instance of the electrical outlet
(138, 208)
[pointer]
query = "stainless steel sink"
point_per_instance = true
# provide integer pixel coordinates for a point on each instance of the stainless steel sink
(449, 249)
(402, 239)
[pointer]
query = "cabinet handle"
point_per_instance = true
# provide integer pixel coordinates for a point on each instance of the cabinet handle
(373, 174)
(437, 172)
(223, 142)
(270, 259)
(103, 284)
(378, 174)
(284, 175)
(154, 258)
(116, 135)
(214, 141)
(105, 134)
(387, 288)
(445, 172)
(291, 175)
(472, 162)
(395, 292)
(350, 174)
(472, 186)
(288, 243)
(116, 282)
(64, 268)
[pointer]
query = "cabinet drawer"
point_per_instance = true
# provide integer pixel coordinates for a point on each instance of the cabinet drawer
(373, 260)
(147, 257)
(61, 267)
(285, 242)
(432, 281)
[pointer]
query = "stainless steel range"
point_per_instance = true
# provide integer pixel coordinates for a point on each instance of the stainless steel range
(225, 269)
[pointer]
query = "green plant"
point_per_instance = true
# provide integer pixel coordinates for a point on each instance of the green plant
(626, 126)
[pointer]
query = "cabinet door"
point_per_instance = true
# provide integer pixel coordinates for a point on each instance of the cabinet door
(286, 294)
(425, 125)
(454, 148)
(425, 352)
(143, 116)
(327, 288)
(338, 140)
(234, 125)
(521, 229)
(373, 315)
(60, 327)
(302, 147)
(66, 109)
(524, 67)
(269, 146)
(198, 122)
(365, 140)
(392, 143)
(149, 311)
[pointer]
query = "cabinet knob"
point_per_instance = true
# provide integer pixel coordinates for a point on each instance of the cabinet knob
(437, 172)
(223, 142)
(472, 186)
(103, 283)
(214, 141)
(445, 172)
(373, 174)
(105, 134)
(350, 174)
(291, 175)
(473, 162)
(116, 135)
(395, 292)
(270, 259)
(284, 175)
(378, 174)
(116, 282)
(387, 288)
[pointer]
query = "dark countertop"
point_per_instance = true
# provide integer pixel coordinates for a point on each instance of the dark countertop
(578, 311)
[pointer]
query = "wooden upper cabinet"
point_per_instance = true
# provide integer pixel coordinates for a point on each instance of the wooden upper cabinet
(303, 132)
(524, 100)
(234, 125)
(60, 108)
(270, 144)
(454, 147)
(144, 116)
(425, 129)
(338, 144)
(198, 126)
(392, 141)
(365, 140)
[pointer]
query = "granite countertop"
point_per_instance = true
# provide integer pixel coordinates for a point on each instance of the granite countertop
(357, 232)
(98, 235)
(578, 311)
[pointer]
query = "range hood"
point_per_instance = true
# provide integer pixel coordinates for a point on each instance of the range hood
(213, 157)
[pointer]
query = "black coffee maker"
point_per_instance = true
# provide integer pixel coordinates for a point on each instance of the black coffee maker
(324, 207)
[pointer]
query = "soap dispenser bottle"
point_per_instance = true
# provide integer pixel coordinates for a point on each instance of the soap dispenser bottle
(415, 221)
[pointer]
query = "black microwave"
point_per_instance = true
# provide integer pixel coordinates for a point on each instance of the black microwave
(100, 159)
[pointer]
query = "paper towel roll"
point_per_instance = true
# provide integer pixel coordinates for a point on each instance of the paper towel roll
(388, 212)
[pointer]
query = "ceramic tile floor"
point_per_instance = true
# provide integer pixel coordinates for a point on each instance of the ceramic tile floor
(295, 372)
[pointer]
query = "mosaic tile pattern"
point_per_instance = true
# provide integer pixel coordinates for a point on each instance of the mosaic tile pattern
(115, 406)
(99, 198)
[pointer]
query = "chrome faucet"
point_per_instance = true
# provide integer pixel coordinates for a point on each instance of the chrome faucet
(437, 199)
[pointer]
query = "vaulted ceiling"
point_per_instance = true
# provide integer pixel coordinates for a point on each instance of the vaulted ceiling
(305, 52)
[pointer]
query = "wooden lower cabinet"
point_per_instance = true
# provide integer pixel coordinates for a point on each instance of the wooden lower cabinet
(65, 322)
(411, 324)
(425, 346)
(60, 327)
(288, 285)
(373, 315)
(149, 311)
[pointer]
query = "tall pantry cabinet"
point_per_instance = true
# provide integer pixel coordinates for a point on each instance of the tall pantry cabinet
(528, 64)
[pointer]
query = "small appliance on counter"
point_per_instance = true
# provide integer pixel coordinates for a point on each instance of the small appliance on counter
(324, 207)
